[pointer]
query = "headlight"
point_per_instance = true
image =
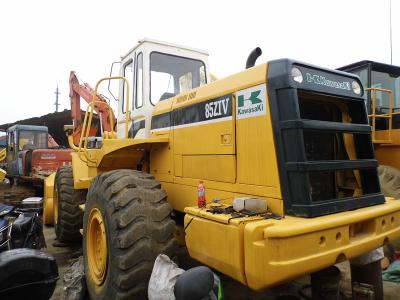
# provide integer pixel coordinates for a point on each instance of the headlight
(296, 74)
(356, 87)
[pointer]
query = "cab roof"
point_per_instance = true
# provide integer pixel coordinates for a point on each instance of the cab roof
(375, 66)
(28, 127)
(157, 42)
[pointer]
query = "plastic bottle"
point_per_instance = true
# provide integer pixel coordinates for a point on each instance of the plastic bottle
(201, 200)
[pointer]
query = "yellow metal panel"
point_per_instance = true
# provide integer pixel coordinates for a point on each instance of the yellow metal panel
(2, 174)
(217, 245)
(276, 251)
(161, 159)
(81, 172)
(296, 226)
(256, 156)
(211, 167)
(211, 139)
(178, 165)
(205, 139)
(48, 212)
(180, 196)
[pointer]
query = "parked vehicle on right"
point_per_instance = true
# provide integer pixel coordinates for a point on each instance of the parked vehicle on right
(382, 98)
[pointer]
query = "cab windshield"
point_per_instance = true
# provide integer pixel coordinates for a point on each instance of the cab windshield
(381, 80)
(389, 82)
(171, 75)
(29, 140)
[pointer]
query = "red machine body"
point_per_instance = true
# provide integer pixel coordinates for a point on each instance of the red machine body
(40, 163)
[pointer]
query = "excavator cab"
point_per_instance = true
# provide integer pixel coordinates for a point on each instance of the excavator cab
(21, 138)
(158, 71)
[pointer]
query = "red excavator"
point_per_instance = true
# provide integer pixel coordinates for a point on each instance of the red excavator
(103, 114)
(101, 123)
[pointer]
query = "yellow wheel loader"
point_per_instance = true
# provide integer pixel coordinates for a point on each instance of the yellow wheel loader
(282, 152)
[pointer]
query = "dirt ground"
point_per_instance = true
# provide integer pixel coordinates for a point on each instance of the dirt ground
(232, 290)
(63, 255)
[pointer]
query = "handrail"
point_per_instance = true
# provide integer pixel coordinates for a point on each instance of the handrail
(87, 122)
(374, 116)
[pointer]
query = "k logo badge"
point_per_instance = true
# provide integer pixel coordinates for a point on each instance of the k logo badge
(251, 102)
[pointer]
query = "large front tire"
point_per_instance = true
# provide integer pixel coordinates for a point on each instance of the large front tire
(127, 224)
(66, 200)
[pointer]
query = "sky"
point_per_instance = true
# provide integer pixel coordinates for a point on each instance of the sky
(42, 41)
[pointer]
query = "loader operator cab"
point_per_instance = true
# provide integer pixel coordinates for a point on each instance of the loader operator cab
(157, 71)
(21, 138)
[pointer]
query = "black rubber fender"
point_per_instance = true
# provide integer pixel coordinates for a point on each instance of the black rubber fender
(27, 274)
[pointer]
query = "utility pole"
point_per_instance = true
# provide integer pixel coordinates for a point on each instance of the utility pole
(56, 103)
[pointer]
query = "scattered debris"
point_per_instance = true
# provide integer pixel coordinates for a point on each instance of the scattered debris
(74, 281)
(392, 273)
(163, 277)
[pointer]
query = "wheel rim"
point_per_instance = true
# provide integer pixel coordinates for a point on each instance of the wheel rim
(96, 245)
(55, 205)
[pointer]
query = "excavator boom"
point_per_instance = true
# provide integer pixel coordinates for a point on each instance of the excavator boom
(85, 91)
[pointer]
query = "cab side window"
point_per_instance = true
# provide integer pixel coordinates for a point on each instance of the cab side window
(11, 145)
(128, 74)
(139, 81)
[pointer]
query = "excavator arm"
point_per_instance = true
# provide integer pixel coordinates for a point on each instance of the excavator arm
(85, 91)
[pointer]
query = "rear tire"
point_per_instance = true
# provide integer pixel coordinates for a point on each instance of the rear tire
(137, 228)
(67, 214)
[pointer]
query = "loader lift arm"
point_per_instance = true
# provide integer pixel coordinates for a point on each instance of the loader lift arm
(85, 91)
